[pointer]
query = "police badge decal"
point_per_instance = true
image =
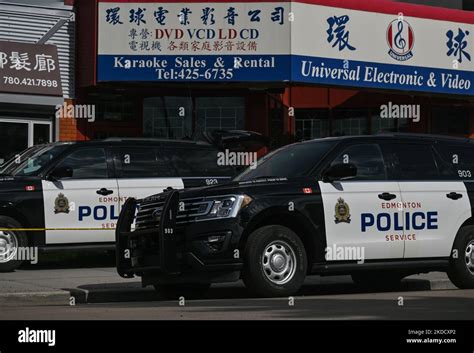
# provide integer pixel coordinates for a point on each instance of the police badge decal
(342, 212)
(61, 204)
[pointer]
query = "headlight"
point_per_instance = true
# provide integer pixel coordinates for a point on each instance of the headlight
(226, 206)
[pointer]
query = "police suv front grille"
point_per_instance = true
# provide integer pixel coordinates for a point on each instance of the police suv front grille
(149, 211)
(148, 214)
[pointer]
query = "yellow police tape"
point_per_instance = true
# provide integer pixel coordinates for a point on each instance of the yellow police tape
(45, 229)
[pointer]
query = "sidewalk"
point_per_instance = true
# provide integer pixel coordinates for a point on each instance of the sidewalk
(103, 284)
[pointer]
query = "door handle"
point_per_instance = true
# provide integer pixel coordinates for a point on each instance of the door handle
(387, 196)
(104, 192)
(453, 196)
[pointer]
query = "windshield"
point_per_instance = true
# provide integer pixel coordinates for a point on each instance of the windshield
(290, 161)
(18, 157)
(32, 160)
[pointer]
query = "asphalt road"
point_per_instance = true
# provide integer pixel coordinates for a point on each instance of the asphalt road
(232, 303)
(47, 292)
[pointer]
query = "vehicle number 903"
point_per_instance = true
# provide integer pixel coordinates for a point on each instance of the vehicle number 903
(464, 173)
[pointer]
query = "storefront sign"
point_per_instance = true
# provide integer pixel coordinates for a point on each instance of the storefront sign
(29, 69)
(283, 41)
(194, 41)
(375, 50)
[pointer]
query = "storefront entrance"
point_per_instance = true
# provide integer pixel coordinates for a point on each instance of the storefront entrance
(26, 133)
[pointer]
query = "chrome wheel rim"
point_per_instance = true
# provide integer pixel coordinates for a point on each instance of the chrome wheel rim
(8, 246)
(469, 256)
(279, 262)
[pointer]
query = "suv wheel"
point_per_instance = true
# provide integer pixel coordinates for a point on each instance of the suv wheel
(187, 291)
(10, 242)
(274, 262)
(461, 267)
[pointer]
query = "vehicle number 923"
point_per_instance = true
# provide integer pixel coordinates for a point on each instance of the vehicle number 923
(464, 173)
(211, 182)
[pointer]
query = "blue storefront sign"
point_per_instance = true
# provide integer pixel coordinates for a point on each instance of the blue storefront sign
(282, 42)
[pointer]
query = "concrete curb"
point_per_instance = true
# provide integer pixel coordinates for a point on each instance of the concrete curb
(148, 294)
(50, 298)
(425, 284)
(84, 296)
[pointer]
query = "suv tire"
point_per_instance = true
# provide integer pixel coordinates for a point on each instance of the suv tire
(461, 267)
(275, 262)
(10, 241)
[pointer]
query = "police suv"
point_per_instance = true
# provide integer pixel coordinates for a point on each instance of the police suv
(377, 207)
(65, 195)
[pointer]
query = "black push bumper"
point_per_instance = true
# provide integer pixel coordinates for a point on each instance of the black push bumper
(152, 249)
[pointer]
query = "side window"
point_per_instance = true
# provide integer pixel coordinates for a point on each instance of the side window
(197, 162)
(140, 162)
(368, 160)
(461, 159)
(411, 161)
(86, 163)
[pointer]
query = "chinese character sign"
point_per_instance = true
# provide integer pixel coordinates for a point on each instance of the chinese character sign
(281, 41)
(29, 68)
(339, 46)
(193, 41)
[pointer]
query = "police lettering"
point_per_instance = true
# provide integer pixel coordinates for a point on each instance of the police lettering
(98, 213)
(393, 221)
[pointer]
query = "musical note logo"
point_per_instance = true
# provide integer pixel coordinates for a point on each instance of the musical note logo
(400, 42)
(400, 39)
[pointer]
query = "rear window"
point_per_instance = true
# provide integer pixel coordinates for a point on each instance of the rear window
(460, 157)
(411, 161)
(196, 162)
(140, 162)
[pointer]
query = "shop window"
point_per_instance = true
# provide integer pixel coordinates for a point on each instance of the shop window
(311, 123)
(220, 113)
(167, 117)
(14, 138)
(41, 133)
(113, 108)
(380, 125)
(450, 121)
(16, 135)
(350, 122)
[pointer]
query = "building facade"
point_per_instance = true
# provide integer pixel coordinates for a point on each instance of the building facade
(176, 69)
(36, 72)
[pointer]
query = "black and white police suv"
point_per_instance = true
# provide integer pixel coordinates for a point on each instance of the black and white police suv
(65, 195)
(377, 207)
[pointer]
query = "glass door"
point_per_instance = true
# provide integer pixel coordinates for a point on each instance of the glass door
(17, 135)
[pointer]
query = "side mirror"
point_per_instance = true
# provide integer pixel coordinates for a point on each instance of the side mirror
(339, 171)
(60, 173)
